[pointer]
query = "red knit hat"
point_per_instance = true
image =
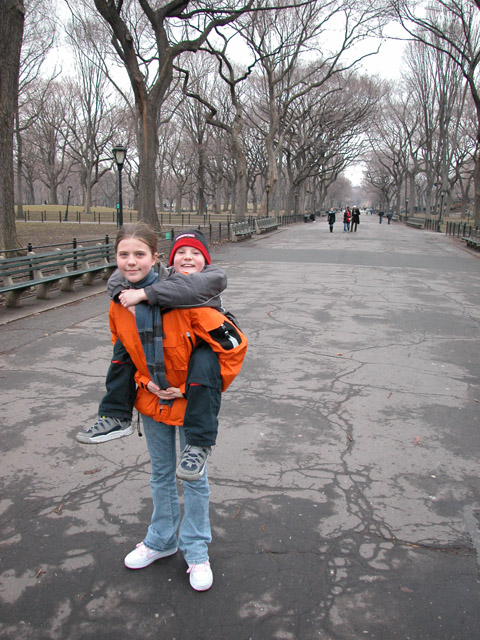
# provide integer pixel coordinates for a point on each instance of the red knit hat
(193, 238)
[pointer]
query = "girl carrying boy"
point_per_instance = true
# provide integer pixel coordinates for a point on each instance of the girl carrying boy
(160, 346)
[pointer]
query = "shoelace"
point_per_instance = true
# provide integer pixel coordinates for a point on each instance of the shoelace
(202, 567)
(96, 427)
(145, 552)
(193, 459)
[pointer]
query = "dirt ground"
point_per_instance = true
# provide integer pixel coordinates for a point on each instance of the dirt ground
(51, 233)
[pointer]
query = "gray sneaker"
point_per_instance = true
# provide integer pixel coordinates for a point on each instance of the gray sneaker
(192, 463)
(106, 428)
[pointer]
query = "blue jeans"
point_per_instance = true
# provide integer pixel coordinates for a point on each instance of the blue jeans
(194, 533)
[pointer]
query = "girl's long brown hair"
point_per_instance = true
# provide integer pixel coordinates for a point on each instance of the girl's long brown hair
(139, 230)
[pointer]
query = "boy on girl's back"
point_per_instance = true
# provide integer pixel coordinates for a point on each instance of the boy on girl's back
(190, 281)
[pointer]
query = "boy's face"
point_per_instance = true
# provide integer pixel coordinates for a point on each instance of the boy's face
(188, 260)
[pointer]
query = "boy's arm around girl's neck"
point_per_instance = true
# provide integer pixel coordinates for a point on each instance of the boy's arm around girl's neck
(177, 290)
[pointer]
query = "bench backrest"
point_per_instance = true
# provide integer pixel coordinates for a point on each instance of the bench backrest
(241, 226)
(24, 265)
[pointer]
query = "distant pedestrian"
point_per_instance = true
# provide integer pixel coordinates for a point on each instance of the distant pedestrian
(389, 217)
(355, 218)
(331, 219)
(380, 216)
(347, 216)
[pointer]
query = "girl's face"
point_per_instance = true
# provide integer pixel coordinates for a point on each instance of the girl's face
(135, 259)
(188, 260)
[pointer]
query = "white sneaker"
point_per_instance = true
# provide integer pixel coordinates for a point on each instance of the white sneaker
(142, 556)
(201, 576)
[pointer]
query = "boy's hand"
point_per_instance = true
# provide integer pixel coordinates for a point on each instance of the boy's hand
(131, 297)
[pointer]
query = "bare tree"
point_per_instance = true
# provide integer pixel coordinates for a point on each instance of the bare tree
(38, 38)
(327, 137)
(91, 124)
(464, 155)
(451, 27)
(382, 184)
(281, 41)
(92, 119)
(148, 38)
(12, 15)
(193, 122)
(51, 139)
(225, 110)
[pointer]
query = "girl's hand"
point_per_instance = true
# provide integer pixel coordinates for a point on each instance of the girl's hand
(131, 297)
(171, 393)
(153, 388)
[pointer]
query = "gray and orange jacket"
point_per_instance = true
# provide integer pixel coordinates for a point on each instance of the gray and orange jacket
(182, 329)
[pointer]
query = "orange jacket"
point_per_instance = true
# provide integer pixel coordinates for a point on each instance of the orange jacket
(182, 330)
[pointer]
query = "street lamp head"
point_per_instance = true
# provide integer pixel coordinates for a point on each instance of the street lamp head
(267, 188)
(119, 153)
(69, 189)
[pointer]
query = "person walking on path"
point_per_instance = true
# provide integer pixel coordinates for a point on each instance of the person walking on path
(389, 216)
(331, 219)
(380, 216)
(355, 218)
(346, 220)
(161, 392)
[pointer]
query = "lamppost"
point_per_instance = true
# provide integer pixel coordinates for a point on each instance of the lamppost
(296, 202)
(437, 186)
(442, 196)
(267, 189)
(68, 201)
(119, 153)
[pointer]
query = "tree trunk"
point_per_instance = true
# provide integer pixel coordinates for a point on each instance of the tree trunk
(53, 196)
(476, 176)
(18, 138)
(88, 198)
(241, 184)
(476, 186)
(147, 143)
(12, 14)
(30, 191)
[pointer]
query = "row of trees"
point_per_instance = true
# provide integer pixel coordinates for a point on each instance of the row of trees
(224, 103)
(214, 100)
(426, 139)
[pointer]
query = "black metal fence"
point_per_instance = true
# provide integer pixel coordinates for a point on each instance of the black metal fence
(459, 229)
(215, 232)
(57, 245)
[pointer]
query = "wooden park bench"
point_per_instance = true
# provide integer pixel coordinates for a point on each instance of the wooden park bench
(39, 271)
(473, 240)
(262, 225)
(240, 231)
(415, 222)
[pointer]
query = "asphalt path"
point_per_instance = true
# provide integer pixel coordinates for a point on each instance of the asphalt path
(345, 483)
